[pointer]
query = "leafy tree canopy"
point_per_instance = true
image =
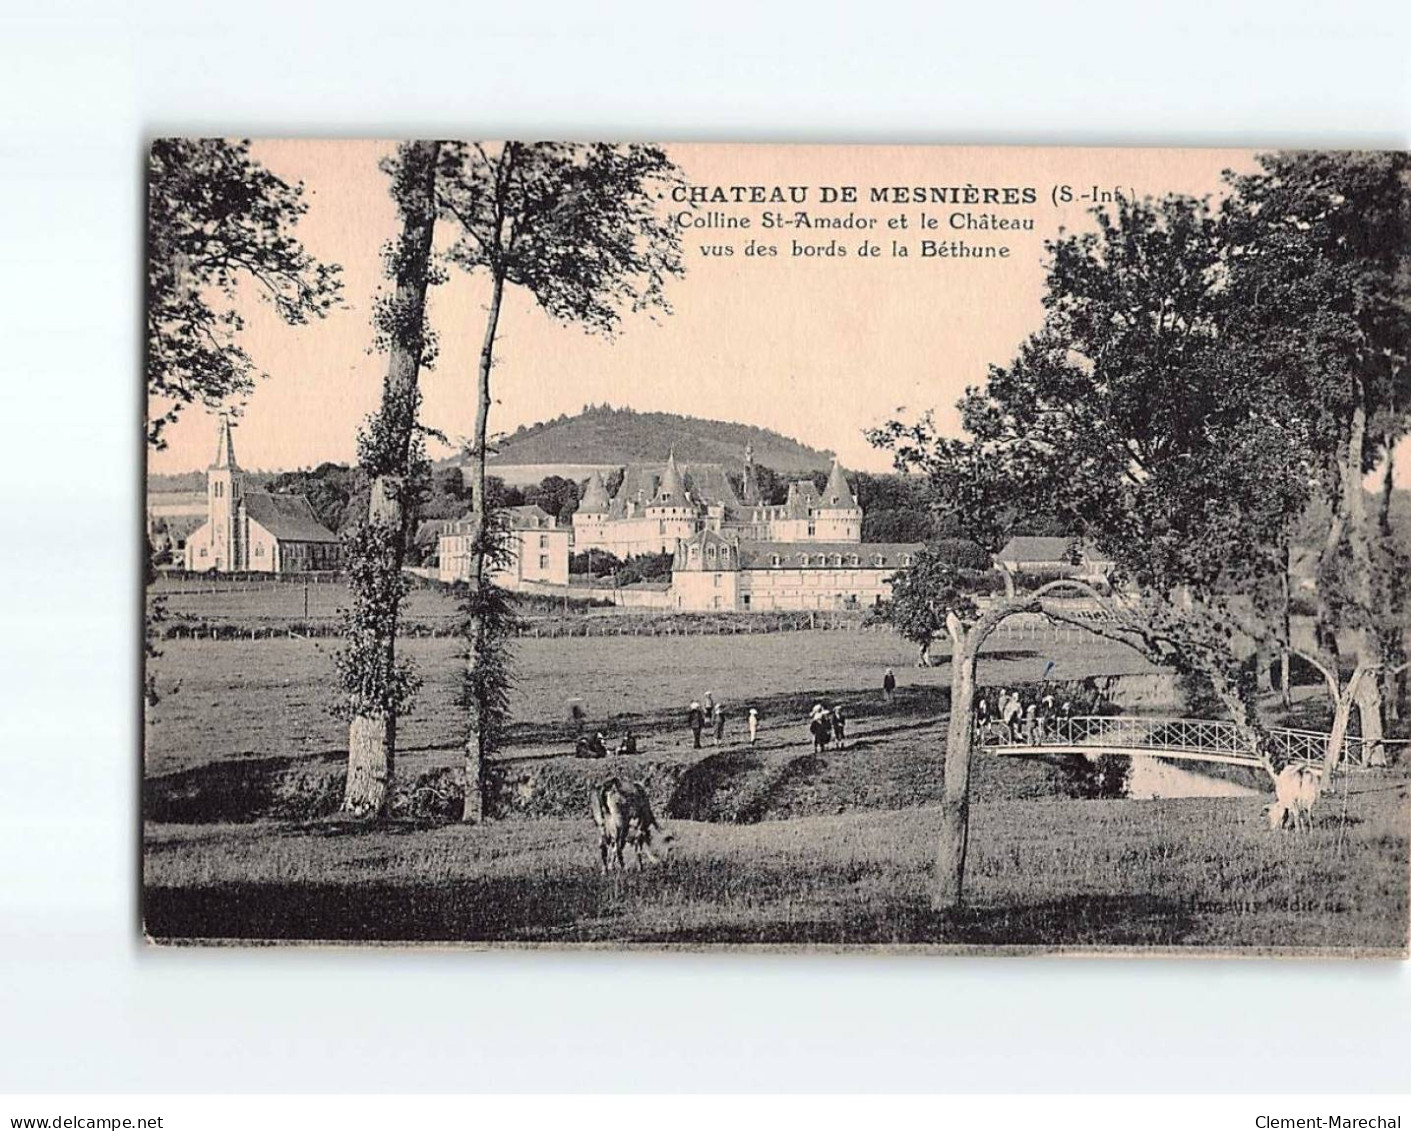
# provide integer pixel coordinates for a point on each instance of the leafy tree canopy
(216, 218)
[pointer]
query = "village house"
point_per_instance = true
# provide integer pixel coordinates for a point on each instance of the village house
(712, 572)
(256, 531)
(538, 549)
(656, 508)
(1053, 557)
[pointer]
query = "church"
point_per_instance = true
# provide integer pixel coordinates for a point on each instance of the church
(657, 508)
(256, 531)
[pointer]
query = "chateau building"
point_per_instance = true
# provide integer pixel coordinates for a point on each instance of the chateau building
(714, 572)
(658, 508)
(255, 530)
(538, 549)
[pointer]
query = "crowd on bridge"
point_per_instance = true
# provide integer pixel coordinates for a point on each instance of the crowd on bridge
(1030, 718)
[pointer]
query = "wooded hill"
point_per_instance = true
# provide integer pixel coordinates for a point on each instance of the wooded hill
(601, 434)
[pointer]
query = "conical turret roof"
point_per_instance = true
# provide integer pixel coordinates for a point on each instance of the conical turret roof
(837, 493)
(595, 496)
(671, 491)
(225, 447)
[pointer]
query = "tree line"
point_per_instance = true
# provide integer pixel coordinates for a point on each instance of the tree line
(1208, 378)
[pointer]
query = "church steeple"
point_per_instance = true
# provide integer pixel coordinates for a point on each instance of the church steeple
(225, 447)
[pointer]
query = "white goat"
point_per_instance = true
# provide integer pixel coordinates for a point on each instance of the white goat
(1295, 790)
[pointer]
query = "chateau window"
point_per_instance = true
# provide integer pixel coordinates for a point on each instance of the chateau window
(203, 551)
(259, 551)
(906, 559)
(543, 541)
(716, 578)
(661, 526)
(220, 490)
(837, 559)
(773, 558)
(854, 560)
(543, 561)
(812, 530)
(877, 559)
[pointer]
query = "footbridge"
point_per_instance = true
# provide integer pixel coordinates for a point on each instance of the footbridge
(1191, 740)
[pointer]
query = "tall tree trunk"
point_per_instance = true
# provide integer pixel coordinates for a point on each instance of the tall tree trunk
(949, 887)
(1285, 653)
(1367, 642)
(372, 731)
(1344, 699)
(475, 752)
(1390, 631)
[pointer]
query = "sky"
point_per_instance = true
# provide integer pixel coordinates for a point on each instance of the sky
(817, 348)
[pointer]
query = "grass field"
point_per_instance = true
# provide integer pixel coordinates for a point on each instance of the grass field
(772, 844)
(1095, 874)
(247, 732)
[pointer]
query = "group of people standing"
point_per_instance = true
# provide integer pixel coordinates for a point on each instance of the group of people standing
(827, 724)
(710, 717)
(1030, 718)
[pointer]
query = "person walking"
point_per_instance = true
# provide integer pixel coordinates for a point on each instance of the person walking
(719, 722)
(889, 685)
(1031, 722)
(754, 724)
(695, 719)
(840, 725)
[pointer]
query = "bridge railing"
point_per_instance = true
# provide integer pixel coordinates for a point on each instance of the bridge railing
(1195, 736)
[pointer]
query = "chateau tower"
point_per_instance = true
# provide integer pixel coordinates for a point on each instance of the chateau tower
(749, 481)
(839, 517)
(671, 509)
(225, 490)
(592, 514)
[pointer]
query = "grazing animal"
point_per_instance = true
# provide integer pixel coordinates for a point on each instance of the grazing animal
(1295, 790)
(624, 816)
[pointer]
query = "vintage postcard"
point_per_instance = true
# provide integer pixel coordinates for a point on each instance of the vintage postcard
(944, 549)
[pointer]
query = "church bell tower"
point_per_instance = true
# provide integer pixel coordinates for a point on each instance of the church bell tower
(224, 488)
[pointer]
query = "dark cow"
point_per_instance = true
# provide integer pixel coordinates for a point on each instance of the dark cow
(624, 816)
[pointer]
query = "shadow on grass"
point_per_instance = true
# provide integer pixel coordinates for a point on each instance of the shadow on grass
(1090, 920)
(245, 789)
(658, 906)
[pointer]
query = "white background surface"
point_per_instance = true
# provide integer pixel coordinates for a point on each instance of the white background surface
(84, 1007)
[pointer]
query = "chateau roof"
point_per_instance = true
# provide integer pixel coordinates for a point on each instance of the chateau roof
(595, 496)
(837, 493)
(289, 518)
(431, 530)
(531, 517)
(705, 484)
(671, 491)
(760, 555)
